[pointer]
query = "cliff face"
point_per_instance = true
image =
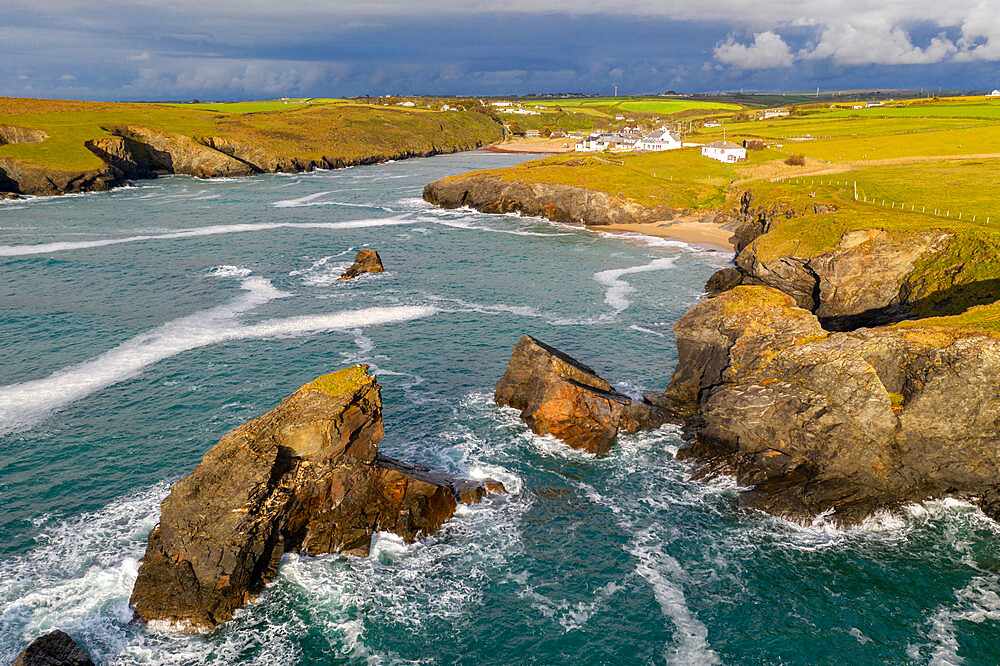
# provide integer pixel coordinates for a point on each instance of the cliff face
(306, 476)
(562, 203)
(135, 152)
(844, 423)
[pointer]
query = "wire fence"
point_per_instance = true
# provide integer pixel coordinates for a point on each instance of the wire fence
(887, 202)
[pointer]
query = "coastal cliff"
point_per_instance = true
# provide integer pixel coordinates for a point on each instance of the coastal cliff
(490, 193)
(848, 361)
(842, 424)
(305, 477)
(52, 147)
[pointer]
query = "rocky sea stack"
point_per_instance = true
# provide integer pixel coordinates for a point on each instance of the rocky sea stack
(559, 396)
(55, 648)
(366, 261)
(305, 477)
(844, 424)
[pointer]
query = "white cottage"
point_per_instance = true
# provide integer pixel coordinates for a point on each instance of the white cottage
(724, 151)
(662, 139)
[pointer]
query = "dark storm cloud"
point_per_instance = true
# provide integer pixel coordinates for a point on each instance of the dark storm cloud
(225, 50)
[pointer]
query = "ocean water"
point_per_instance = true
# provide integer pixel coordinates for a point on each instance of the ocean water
(141, 325)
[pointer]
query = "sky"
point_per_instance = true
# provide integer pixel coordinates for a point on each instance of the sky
(256, 49)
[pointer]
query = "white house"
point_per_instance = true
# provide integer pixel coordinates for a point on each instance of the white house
(661, 139)
(995, 93)
(587, 144)
(713, 123)
(724, 151)
(870, 105)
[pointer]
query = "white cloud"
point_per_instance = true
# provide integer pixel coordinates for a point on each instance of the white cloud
(767, 51)
(68, 77)
(876, 42)
(139, 56)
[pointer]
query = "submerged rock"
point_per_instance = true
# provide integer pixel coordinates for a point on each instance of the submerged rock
(304, 477)
(55, 648)
(366, 261)
(557, 395)
(845, 423)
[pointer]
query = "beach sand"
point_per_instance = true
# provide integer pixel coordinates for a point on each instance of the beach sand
(689, 231)
(546, 146)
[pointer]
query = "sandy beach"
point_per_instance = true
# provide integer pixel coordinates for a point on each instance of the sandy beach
(689, 231)
(546, 146)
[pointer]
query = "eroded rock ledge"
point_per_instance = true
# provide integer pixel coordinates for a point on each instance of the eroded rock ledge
(557, 395)
(840, 423)
(491, 193)
(305, 477)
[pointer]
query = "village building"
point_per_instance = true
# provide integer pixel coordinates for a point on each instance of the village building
(661, 139)
(713, 123)
(873, 104)
(532, 133)
(724, 151)
(519, 110)
(995, 93)
(775, 113)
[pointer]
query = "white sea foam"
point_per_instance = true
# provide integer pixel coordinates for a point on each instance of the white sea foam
(79, 576)
(62, 246)
(659, 568)
(324, 271)
(25, 404)
(976, 602)
(618, 288)
(646, 330)
(292, 203)
(464, 224)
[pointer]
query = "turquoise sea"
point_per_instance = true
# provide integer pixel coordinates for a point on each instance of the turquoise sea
(139, 326)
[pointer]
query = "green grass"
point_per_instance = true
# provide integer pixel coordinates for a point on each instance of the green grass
(677, 178)
(308, 131)
(648, 105)
(342, 382)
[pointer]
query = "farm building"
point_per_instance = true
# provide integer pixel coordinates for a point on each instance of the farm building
(724, 151)
(774, 113)
(995, 93)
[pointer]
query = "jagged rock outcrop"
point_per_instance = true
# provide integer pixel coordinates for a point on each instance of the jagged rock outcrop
(366, 261)
(866, 279)
(19, 178)
(557, 395)
(55, 648)
(845, 423)
(10, 134)
(306, 477)
(749, 219)
(176, 153)
(491, 193)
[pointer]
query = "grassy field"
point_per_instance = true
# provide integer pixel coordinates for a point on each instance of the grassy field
(650, 105)
(677, 178)
(308, 131)
(938, 158)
